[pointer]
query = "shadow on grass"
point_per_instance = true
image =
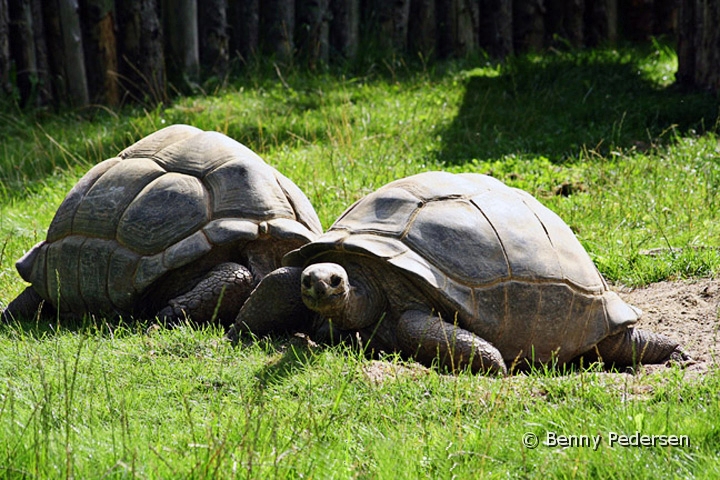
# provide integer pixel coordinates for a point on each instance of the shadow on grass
(556, 105)
(296, 355)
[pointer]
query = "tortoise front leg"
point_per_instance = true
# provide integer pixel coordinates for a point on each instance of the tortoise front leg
(425, 337)
(218, 296)
(274, 306)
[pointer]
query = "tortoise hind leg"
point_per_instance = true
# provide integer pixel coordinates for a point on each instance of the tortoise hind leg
(634, 346)
(27, 305)
(218, 296)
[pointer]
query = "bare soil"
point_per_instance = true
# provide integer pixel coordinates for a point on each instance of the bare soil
(687, 311)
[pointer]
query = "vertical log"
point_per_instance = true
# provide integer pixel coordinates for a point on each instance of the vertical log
(277, 24)
(345, 27)
(458, 25)
(213, 37)
(638, 19)
(686, 43)
(101, 50)
(496, 28)
(5, 85)
(386, 26)
(142, 59)
(22, 47)
(182, 51)
(400, 21)
(313, 31)
(707, 63)
(422, 27)
(528, 25)
(244, 24)
(73, 56)
(601, 22)
(565, 19)
(666, 17)
(699, 45)
(44, 83)
(468, 26)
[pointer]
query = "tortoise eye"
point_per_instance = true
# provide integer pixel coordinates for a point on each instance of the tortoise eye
(335, 281)
(306, 282)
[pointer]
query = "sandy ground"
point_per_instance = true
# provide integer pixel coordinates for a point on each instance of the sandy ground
(688, 311)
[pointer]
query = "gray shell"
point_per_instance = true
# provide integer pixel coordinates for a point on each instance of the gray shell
(165, 202)
(511, 269)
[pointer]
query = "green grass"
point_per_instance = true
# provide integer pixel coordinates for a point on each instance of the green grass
(640, 164)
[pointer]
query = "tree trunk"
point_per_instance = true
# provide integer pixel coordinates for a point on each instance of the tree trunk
(142, 60)
(422, 28)
(565, 19)
(73, 58)
(313, 31)
(5, 85)
(699, 44)
(277, 22)
(528, 25)
(686, 43)
(44, 84)
(458, 22)
(638, 19)
(101, 51)
(244, 20)
(345, 27)
(386, 26)
(666, 17)
(602, 22)
(22, 47)
(182, 53)
(496, 27)
(400, 21)
(214, 40)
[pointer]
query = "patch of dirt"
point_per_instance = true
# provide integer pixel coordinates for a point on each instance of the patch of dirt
(687, 311)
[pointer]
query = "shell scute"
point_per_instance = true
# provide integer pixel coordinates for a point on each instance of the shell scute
(241, 179)
(62, 223)
(454, 236)
(99, 213)
(146, 227)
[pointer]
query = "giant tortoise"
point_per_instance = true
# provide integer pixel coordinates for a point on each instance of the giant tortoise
(174, 224)
(459, 268)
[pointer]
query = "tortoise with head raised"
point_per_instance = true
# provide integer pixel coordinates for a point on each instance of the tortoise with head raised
(460, 268)
(175, 223)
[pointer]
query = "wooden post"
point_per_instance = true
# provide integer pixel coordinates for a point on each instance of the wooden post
(182, 52)
(213, 37)
(140, 47)
(345, 28)
(101, 51)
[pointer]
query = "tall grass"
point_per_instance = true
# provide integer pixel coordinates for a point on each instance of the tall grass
(601, 137)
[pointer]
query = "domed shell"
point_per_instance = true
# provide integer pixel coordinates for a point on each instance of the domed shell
(164, 202)
(510, 268)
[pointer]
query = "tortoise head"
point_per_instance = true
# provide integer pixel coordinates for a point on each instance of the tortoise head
(325, 288)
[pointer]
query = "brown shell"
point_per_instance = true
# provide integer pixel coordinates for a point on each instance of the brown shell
(511, 269)
(161, 204)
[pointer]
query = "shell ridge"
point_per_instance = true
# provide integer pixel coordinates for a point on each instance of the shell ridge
(497, 235)
(155, 156)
